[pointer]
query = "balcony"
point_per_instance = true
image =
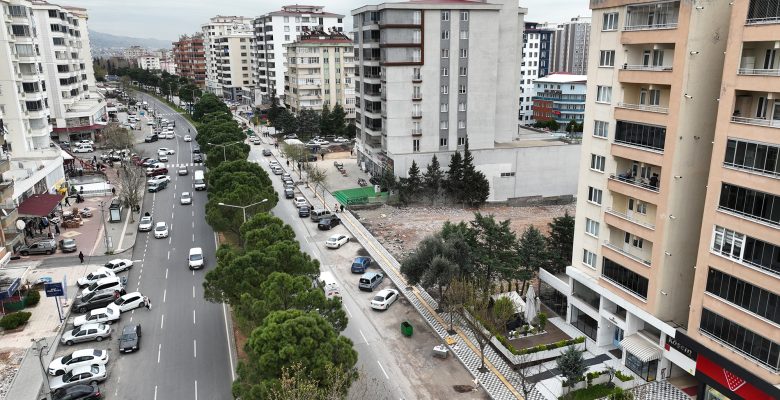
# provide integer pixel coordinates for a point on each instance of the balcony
(762, 12)
(756, 108)
(627, 250)
(643, 107)
(652, 16)
(643, 136)
(645, 74)
(416, 132)
(416, 114)
(643, 183)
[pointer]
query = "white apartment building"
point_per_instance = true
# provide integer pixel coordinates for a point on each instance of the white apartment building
(134, 52)
(148, 61)
(229, 46)
(536, 64)
(432, 74)
(320, 72)
(168, 65)
(273, 31)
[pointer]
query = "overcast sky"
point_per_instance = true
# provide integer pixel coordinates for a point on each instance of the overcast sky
(167, 19)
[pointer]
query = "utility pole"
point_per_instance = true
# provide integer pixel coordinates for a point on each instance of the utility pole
(105, 229)
(40, 349)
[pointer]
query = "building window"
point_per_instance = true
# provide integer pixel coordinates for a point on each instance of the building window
(443, 125)
(464, 53)
(461, 106)
(591, 227)
(607, 58)
(444, 107)
(442, 142)
(286, 28)
(445, 15)
(445, 53)
(507, 174)
(744, 295)
(594, 195)
(752, 204)
(462, 71)
(464, 35)
(648, 136)
(461, 89)
(445, 35)
(584, 323)
(741, 339)
(603, 94)
(753, 156)
(416, 145)
(589, 258)
(286, 19)
(597, 162)
(461, 124)
(625, 278)
(464, 15)
(461, 141)
(610, 22)
(728, 243)
(444, 89)
(445, 71)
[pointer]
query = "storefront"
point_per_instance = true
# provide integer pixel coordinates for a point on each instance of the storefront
(641, 356)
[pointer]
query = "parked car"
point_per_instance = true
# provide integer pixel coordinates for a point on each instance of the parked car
(48, 246)
(157, 186)
(197, 158)
(119, 264)
(83, 149)
(78, 392)
(300, 201)
(289, 193)
(106, 284)
(276, 170)
(370, 280)
(68, 245)
(163, 158)
(360, 264)
(84, 374)
(86, 333)
(185, 198)
(159, 178)
(131, 338)
(146, 224)
(384, 298)
(129, 301)
(151, 138)
(304, 211)
(161, 230)
(267, 152)
(103, 315)
(93, 301)
(156, 171)
(340, 140)
(336, 241)
(78, 358)
(327, 224)
(187, 138)
(95, 276)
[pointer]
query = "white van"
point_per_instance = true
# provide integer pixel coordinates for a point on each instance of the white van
(199, 180)
(328, 283)
(195, 259)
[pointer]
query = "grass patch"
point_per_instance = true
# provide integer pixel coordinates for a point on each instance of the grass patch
(590, 393)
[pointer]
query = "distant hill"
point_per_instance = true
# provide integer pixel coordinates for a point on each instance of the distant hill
(100, 40)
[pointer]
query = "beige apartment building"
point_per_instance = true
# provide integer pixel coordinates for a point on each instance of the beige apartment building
(320, 71)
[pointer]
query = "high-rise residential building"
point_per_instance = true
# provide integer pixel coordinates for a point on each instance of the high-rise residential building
(734, 320)
(133, 52)
(537, 56)
(148, 61)
(190, 58)
(320, 72)
(570, 46)
(273, 31)
(560, 97)
(229, 47)
(168, 65)
(654, 88)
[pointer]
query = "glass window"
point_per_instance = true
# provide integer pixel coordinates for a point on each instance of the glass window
(589, 258)
(584, 323)
(594, 195)
(610, 22)
(445, 15)
(741, 339)
(597, 162)
(750, 203)
(591, 227)
(607, 58)
(601, 129)
(603, 94)
(624, 277)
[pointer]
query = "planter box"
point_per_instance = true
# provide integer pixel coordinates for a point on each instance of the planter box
(531, 357)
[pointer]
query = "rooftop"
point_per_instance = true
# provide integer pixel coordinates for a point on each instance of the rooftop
(563, 78)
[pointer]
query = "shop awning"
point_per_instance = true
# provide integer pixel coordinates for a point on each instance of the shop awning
(641, 348)
(39, 205)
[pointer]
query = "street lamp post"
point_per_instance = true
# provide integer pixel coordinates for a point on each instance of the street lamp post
(224, 146)
(243, 208)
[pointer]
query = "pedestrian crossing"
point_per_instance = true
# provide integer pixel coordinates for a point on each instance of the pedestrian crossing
(171, 166)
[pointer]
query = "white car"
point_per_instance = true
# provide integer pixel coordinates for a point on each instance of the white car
(79, 358)
(86, 142)
(83, 149)
(185, 198)
(340, 140)
(384, 298)
(161, 230)
(336, 241)
(84, 374)
(110, 283)
(274, 163)
(104, 315)
(119, 264)
(85, 333)
(320, 142)
(163, 158)
(300, 201)
(94, 276)
(146, 224)
(159, 178)
(187, 138)
(129, 302)
(170, 135)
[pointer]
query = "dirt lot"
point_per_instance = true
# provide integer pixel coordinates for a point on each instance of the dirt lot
(400, 229)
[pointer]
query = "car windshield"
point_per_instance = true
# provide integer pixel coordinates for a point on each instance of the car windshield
(68, 242)
(67, 376)
(128, 336)
(67, 358)
(160, 228)
(196, 257)
(146, 219)
(379, 298)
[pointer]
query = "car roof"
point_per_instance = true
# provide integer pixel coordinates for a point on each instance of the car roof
(196, 250)
(161, 223)
(361, 258)
(336, 236)
(108, 279)
(83, 368)
(91, 325)
(118, 260)
(385, 291)
(130, 328)
(83, 352)
(369, 274)
(131, 294)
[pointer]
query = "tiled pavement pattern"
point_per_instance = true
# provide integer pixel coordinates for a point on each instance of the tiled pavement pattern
(659, 390)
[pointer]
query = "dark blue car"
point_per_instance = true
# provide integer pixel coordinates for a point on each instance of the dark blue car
(360, 264)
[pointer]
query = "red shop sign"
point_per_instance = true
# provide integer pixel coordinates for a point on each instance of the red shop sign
(733, 382)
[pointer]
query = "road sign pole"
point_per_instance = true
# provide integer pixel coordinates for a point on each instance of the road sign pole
(59, 307)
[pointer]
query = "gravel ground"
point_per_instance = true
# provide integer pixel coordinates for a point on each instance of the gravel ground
(400, 229)
(9, 365)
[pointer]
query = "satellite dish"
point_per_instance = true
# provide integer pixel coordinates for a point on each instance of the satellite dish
(20, 224)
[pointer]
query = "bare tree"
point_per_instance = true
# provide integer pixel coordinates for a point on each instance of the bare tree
(297, 153)
(131, 182)
(487, 319)
(523, 379)
(317, 177)
(117, 138)
(355, 384)
(458, 293)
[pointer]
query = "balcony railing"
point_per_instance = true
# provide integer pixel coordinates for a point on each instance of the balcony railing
(638, 182)
(416, 132)
(643, 107)
(773, 123)
(655, 68)
(625, 253)
(759, 71)
(626, 217)
(670, 25)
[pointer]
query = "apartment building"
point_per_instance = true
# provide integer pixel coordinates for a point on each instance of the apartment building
(654, 81)
(537, 56)
(734, 320)
(273, 31)
(190, 58)
(148, 61)
(560, 97)
(132, 53)
(229, 46)
(570, 46)
(320, 72)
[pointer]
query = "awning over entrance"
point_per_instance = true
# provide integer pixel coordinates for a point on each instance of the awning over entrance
(641, 348)
(39, 205)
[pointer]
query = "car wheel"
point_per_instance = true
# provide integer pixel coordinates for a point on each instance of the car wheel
(93, 383)
(141, 304)
(24, 253)
(81, 310)
(58, 373)
(99, 338)
(49, 252)
(69, 343)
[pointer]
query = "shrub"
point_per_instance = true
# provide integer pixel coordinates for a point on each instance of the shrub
(14, 320)
(622, 377)
(33, 297)
(542, 317)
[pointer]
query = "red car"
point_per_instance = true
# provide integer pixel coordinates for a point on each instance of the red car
(158, 171)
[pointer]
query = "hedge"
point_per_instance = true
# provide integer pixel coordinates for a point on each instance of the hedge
(14, 320)
(623, 378)
(541, 347)
(33, 297)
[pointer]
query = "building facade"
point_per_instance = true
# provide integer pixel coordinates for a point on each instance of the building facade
(537, 56)
(570, 46)
(560, 97)
(149, 62)
(228, 42)
(654, 81)
(273, 31)
(132, 53)
(190, 58)
(320, 72)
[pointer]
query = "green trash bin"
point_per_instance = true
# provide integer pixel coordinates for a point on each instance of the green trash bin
(406, 328)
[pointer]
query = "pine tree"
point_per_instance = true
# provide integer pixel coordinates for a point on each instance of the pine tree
(559, 243)
(455, 176)
(475, 188)
(338, 121)
(326, 122)
(433, 178)
(414, 180)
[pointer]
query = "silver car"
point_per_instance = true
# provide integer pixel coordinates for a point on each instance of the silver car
(185, 198)
(86, 333)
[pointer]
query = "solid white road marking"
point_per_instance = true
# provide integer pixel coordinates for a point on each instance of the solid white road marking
(383, 370)
(162, 321)
(364, 336)
(196, 390)
(159, 349)
(155, 392)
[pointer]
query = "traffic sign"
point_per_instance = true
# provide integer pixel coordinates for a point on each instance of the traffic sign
(53, 289)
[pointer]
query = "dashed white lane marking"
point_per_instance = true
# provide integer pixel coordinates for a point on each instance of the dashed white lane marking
(166, 273)
(195, 348)
(193, 291)
(162, 321)
(169, 254)
(165, 292)
(364, 336)
(155, 392)
(383, 370)
(159, 349)
(196, 390)
(193, 317)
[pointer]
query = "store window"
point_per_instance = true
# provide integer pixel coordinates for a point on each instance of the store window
(646, 370)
